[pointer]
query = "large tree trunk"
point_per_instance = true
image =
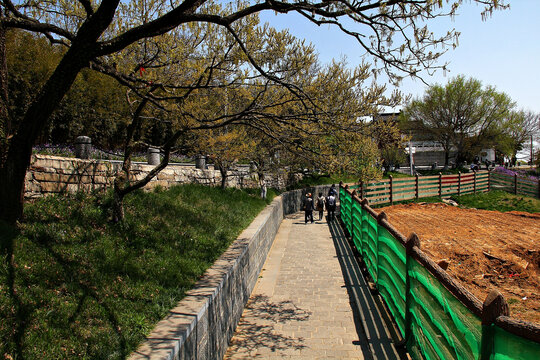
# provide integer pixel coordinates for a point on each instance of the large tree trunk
(5, 120)
(13, 171)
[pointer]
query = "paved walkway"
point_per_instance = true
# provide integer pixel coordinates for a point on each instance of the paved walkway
(304, 305)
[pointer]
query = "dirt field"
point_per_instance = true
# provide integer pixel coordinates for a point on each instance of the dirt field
(485, 249)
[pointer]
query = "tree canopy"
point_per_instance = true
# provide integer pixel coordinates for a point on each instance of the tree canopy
(101, 35)
(460, 114)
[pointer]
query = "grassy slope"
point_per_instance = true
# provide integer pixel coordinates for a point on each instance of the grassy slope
(499, 201)
(87, 288)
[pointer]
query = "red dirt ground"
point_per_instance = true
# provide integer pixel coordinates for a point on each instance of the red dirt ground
(485, 249)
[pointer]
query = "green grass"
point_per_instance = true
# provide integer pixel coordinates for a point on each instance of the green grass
(81, 287)
(444, 172)
(314, 180)
(433, 199)
(499, 201)
(395, 175)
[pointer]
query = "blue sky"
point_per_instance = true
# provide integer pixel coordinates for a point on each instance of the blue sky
(502, 51)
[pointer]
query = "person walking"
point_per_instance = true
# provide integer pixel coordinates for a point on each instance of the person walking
(331, 206)
(308, 208)
(332, 190)
(320, 205)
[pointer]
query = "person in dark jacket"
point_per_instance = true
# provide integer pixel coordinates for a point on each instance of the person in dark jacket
(308, 208)
(332, 190)
(331, 206)
(320, 205)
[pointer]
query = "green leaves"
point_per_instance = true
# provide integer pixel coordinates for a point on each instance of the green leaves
(461, 114)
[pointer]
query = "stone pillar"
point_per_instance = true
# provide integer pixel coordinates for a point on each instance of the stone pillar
(83, 146)
(200, 162)
(153, 156)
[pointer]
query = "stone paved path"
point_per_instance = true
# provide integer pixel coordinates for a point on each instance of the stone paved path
(300, 307)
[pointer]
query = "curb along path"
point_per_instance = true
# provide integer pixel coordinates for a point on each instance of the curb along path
(301, 307)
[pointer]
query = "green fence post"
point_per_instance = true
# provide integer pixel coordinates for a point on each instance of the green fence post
(411, 242)
(538, 188)
(363, 205)
(494, 306)
(361, 189)
(382, 216)
(353, 194)
(515, 184)
(474, 171)
(489, 181)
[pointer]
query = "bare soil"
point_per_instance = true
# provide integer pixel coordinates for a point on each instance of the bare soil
(485, 249)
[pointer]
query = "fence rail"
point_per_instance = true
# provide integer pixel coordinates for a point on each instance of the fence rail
(515, 184)
(436, 316)
(399, 189)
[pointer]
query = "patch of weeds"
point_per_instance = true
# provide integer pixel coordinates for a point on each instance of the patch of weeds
(499, 201)
(433, 199)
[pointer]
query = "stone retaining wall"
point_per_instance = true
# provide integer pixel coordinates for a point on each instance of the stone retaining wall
(203, 323)
(52, 174)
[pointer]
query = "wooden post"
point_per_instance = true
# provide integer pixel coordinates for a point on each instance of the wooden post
(494, 306)
(416, 187)
(382, 216)
(391, 190)
(459, 183)
(515, 184)
(474, 171)
(353, 194)
(411, 242)
(361, 189)
(440, 184)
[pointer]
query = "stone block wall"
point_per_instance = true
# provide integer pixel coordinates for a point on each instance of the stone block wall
(203, 323)
(52, 174)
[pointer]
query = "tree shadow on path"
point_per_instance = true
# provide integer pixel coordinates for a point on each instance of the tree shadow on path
(256, 330)
(370, 318)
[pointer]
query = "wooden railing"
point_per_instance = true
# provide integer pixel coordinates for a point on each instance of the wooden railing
(515, 184)
(399, 189)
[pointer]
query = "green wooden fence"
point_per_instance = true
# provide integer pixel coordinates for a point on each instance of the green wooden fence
(515, 184)
(436, 316)
(399, 189)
